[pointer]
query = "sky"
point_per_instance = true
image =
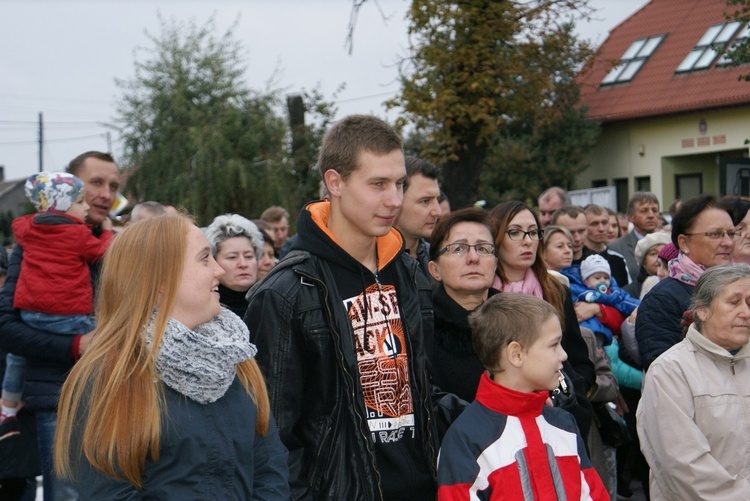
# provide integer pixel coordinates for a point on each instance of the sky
(61, 58)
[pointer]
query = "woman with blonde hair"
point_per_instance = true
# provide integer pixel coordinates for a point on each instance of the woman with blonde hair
(168, 402)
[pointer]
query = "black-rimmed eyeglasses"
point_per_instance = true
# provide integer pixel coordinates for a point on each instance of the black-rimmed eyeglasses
(536, 234)
(461, 249)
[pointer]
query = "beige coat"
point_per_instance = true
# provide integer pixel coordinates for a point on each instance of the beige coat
(694, 422)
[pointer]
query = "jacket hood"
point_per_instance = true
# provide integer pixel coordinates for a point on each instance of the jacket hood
(316, 238)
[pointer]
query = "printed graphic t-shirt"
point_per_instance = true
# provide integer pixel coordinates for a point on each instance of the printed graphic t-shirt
(371, 303)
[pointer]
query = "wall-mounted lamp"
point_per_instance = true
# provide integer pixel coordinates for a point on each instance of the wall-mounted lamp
(641, 149)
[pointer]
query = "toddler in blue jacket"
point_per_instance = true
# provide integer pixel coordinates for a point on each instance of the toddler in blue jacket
(616, 304)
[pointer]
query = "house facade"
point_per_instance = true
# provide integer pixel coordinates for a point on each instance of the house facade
(675, 117)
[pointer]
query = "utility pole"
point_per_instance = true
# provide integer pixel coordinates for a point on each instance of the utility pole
(41, 142)
(109, 142)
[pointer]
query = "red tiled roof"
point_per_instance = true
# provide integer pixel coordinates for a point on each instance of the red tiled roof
(656, 89)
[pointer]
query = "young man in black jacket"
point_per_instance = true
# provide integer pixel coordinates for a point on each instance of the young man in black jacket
(343, 326)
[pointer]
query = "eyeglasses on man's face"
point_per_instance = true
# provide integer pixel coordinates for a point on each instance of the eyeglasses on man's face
(461, 249)
(535, 234)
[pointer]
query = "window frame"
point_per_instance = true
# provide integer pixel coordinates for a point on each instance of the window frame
(709, 47)
(630, 64)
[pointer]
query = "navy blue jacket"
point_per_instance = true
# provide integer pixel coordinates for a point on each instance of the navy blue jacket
(205, 452)
(658, 325)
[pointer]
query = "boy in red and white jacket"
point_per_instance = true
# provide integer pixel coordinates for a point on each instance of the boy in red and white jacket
(508, 444)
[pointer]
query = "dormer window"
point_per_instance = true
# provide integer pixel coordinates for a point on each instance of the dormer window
(708, 47)
(633, 59)
(741, 36)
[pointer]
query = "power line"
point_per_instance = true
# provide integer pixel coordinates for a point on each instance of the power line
(54, 140)
(61, 99)
(46, 122)
(365, 97)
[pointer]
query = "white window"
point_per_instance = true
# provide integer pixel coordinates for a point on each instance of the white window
(632, 60)
(741, 36)
(708, 47)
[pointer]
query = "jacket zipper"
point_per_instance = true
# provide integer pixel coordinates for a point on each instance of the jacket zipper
(366, 440)
(425, 398)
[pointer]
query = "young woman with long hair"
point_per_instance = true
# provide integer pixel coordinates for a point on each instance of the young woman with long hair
(168, 402)
(521, 268)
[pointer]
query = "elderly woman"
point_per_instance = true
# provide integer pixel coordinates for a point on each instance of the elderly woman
(739, 209)
(521, 268)
(168, 401)
(237, 245)
(647, 256)
(693, 418)
(704, 234)
(462, 262)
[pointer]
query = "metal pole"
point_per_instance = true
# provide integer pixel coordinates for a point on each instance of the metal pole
(41, 143)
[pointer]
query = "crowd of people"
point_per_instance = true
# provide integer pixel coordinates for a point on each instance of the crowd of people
(391, 349)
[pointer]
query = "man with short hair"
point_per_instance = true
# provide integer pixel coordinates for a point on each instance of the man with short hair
(550, 200)
(278, 219)
(420, 210)
(623, 223)
(572, 218)
(595, 242)
(49, 357)
(145, 210)
(643, 212)
(341, 325)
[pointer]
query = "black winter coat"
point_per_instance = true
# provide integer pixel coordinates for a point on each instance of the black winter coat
(306, 350)
(455, 365)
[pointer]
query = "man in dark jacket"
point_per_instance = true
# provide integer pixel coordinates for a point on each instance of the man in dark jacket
(50, 356)
(420, 210)
(341, 326)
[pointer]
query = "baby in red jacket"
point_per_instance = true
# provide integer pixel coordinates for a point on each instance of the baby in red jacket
(54, 290)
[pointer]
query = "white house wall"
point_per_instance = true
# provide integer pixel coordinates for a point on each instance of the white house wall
(663, 147)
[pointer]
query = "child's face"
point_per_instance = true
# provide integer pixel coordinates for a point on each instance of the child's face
(543, 360)
(598, 278)
(79, 209)
(662, 269)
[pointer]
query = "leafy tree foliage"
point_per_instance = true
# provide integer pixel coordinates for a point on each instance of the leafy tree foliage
(547, 146)
(739, 10)
(493, 80)
(196, 136)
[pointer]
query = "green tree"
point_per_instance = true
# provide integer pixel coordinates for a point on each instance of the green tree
(547, 146)
(739, 53)
(481, 72)
(194, 134)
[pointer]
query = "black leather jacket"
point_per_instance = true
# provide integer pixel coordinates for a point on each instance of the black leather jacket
(306, 350)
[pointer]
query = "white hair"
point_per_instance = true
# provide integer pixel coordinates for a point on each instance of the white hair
(230, 226)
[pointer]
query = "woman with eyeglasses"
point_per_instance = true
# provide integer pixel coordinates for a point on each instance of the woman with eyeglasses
(462, 261)
(521, 268)
(704, 234)
(739, 210)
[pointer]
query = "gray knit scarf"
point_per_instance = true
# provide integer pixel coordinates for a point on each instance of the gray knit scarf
(202, 363)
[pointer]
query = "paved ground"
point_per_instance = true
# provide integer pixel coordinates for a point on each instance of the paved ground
(638, 494)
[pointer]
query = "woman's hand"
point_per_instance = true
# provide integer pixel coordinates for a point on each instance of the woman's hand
(632, 316)
(584, 311)
(83, 344)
